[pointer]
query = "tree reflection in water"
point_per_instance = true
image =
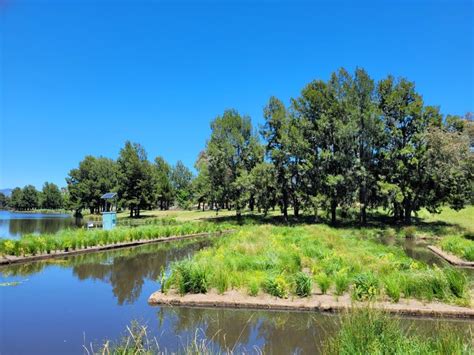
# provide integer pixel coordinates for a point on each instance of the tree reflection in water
(124, 269)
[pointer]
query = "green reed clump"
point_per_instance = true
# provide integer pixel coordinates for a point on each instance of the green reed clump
(323, 281)
(392, 287)
(253, 288)
(366, 286)
(367, 331)
(190, 277)
(341, 281)
(276, 286)
(69, 240)
(303, 284)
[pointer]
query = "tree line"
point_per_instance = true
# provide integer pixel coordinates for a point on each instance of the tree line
(343, 144)
(29, 198)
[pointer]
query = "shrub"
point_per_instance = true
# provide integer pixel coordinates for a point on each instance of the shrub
(323, 281)
(303, 284)
(409, 232)
(366, 286)
(276, 286)
(342, 283)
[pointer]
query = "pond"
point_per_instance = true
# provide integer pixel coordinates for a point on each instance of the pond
(15, 224)
(59, 306)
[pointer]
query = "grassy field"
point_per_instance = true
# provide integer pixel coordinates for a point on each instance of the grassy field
(299, 260)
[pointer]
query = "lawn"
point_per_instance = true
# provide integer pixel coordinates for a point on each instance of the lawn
(297, 261)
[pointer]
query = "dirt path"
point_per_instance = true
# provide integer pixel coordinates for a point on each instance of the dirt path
(317, 302)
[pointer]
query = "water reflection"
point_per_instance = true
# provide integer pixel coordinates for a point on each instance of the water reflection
(124, 269)
(14, 225)
(274, 332)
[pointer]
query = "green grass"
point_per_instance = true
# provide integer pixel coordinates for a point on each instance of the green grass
(339, 260)
(458, 245)
(367, 331)
(68, 240)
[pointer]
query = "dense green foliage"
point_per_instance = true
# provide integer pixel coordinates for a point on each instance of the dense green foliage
(366, 331)
(273, 260)
(81, 238)
(345, 144)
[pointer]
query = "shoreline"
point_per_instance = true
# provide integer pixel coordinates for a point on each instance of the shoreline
(8, 260)
(316, 303)
(451, 258)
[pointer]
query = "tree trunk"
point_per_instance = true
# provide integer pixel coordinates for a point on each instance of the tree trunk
(333, 211)
(131, 212)
(363, 204)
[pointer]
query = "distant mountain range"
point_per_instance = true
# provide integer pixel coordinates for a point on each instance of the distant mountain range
(6, 192)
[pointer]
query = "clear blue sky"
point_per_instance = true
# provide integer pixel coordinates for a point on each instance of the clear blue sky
(81, 77)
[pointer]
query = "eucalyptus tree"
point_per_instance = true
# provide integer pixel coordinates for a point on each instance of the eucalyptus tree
(262, 182)
(201, 185)
(30, 198)
(330, 131)
(405, 121)
(87, 183)
(136, 183)
(276, 132)
(369, 137)
(181, 179)
(232, 149)
(164, 187)
(51, 197)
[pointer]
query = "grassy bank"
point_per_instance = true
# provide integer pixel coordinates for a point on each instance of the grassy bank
(459, 246)
(82, 238)
(284, 261)
(367, 331)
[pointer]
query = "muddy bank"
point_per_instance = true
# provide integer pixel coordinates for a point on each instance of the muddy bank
(450, 258)
(4, 260)
(317, 302)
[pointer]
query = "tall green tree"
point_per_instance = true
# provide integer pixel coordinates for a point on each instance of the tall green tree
(51, 197)
(87, 183)
(405, 121)
(16, 199)
(262, 181)
(232, 149)
(136, 183)
(201, 185)
(369, 136)
(165, 192)
(181, 178)
(276, 133)
(30, 198)
(330, 130)
(4, 201)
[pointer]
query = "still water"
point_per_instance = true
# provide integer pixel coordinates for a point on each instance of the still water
(59, 306)
(15, 224)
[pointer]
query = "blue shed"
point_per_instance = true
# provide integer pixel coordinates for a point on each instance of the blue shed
(109, 216)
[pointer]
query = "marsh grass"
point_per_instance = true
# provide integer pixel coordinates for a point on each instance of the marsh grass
(458, 245)
(80, 239)
(367, 331)
(272, 259)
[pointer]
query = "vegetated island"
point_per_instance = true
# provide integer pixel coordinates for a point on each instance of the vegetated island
(314, 267)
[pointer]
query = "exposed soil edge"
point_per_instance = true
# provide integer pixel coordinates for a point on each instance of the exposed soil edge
(315, 303)
(450, 258)
(6, 260)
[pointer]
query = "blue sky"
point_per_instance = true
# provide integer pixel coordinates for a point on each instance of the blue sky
(81, 77)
